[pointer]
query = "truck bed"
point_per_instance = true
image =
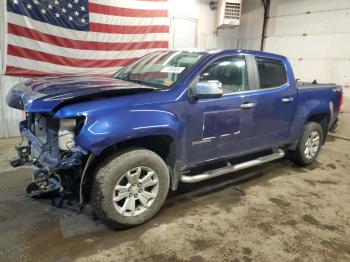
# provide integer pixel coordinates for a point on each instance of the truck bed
(301, 85)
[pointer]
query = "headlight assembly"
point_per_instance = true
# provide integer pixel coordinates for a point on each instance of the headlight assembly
(66, 134)
(68, 130)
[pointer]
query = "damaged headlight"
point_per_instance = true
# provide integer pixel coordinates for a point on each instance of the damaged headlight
(67, 131)
(66, 134)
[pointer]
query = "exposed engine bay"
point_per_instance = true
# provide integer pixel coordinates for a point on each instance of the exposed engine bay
(55, 159)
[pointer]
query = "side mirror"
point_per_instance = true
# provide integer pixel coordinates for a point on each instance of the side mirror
(208, 89)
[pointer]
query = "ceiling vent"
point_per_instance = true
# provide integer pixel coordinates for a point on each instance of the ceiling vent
(229, 13)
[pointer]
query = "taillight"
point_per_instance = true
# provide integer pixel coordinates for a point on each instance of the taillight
(342, 100)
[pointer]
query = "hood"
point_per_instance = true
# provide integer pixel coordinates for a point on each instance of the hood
(45, 94)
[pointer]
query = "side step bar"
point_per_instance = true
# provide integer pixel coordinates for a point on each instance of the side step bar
(232, 168)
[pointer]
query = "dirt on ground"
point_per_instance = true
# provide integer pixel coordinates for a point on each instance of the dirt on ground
(275, 212)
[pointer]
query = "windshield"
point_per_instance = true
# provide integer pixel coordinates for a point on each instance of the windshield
(160, 69)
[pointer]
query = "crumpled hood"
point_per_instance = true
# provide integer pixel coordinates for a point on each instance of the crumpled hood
(44, 94)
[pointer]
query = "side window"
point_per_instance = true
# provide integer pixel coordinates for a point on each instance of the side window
(272, 72)
(230, 71)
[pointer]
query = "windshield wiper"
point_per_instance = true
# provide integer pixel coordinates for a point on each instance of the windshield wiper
(140, 82)
(127, 77)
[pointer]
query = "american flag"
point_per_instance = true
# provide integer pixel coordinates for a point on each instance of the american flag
(47, 37)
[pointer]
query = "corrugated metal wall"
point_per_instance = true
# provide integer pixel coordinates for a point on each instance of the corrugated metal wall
(315, 36)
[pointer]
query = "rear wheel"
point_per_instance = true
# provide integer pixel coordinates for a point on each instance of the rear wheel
(309, 144)
(130, 189)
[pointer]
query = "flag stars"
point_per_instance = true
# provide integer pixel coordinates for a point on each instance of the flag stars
(54, 11)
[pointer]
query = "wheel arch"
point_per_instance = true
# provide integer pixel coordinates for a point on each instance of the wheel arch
(163, 145)
(323, 119)
(320, 117)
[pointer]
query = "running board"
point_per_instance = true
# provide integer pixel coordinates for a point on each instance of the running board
(232, 168)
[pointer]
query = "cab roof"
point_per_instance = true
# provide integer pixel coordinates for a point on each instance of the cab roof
(224, 51)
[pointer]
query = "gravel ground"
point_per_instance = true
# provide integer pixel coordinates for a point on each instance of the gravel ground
(275, 212)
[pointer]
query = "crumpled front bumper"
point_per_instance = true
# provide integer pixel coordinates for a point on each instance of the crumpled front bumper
(45, 159)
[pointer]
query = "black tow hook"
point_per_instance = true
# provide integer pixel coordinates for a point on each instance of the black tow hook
(24, 154)
(16, 163)
(44, 183)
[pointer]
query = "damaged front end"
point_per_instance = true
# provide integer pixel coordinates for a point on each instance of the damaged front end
(56, 160)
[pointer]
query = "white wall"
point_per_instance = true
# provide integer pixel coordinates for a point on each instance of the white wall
(207, 34)
(315, 36)
(248, 33)
(245, 36)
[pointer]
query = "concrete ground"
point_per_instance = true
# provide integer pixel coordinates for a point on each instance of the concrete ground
(275, 212)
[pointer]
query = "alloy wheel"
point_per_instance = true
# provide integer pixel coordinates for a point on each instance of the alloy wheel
(136, 191)
(312, 144)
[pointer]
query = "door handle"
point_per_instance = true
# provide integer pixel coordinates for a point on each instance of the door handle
(287, 99)
(247, 105)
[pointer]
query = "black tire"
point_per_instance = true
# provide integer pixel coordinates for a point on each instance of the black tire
(299, 154)
(110, 173)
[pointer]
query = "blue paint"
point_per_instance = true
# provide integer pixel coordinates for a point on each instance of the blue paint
(128, 110)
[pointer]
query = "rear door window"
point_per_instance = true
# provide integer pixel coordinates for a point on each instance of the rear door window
(272, 72)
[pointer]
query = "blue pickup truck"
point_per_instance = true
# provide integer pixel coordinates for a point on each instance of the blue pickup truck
(173, 116)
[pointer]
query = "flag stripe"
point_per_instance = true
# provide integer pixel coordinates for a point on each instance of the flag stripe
(12, 70)
(63, 60)
(81, 35)
(85, 36)
(124, 20)
(79, 44)
(20, 62)
(133, 4)
(120, 11)
(74, 53)
(122, 29)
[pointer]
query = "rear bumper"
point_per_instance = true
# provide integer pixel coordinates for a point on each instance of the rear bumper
(45, 159)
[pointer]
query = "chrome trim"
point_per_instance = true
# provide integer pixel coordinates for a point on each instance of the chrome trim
(247, 105)
(232, 168)
(287, 99)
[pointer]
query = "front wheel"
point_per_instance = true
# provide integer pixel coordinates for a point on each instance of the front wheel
(309, 144)
(130, 189)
